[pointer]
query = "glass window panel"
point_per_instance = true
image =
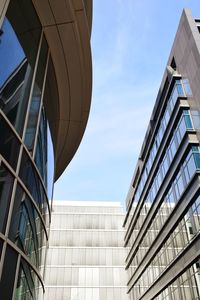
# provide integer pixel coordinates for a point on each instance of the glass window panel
(36, 97)
(31, 180)
(9, 144)
(187, 88)
(19, 42)
(50, 164)
(22, 290)
(179, 88)
(180, 185)
(187, 118)
(9, 269)
(6, 185)
(182, 127)
(195, 119)
(196, 155)
(26, 228)
(191, 166)
(30, 278)
(41, 149)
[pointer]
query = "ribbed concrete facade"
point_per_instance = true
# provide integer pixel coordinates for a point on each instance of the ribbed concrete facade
(163, 204)
(85, 259)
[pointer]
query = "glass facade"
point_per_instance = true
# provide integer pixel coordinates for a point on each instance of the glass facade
(85, 259)
(26, 151)
(162, 221)
(37, 141)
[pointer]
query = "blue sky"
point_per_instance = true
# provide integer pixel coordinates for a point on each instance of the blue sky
(131, 42)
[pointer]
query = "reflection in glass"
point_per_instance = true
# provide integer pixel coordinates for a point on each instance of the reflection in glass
(44, 157)
(9, 145)
(9, 269)
(18, 49)
(41, 149)
(26, 284)
(31, 180)
(26, 229)
(22, 290)
(36, 97)
(1, 246)
(50, 164)
(6, 184)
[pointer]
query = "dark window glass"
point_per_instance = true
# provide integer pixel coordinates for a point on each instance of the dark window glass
(25, 284)
(36, 97)
(9, 144)
(8, 274)
(1, 247)
(18, 48)
(196, 155)
(41, 149)
(22, 291)
(30, 277)
(26, 228)
(187, 118)
(6, 185)
(31, 180)
(44, 157)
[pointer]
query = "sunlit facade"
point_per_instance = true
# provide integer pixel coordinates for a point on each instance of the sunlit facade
(163, 203)
(85, 259)
(44, 56)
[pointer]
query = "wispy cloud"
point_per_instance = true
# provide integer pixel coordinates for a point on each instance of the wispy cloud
(128, 62)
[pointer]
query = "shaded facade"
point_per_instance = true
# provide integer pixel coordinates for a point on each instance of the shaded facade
(163, 204)
(45, 94)
(85, 259)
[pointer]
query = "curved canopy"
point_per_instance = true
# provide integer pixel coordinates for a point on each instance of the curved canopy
(67, 27)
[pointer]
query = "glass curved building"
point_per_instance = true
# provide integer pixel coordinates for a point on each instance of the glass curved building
(45, 95)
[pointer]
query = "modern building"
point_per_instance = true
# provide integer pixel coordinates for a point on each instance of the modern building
(86, 255)
(163, 203)
(45, 95)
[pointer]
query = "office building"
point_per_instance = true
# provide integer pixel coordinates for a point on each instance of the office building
(45, 95)
(163, 203)
(86, 255)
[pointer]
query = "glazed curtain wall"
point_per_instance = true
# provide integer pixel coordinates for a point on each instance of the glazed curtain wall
(26, 150)
(162, 190)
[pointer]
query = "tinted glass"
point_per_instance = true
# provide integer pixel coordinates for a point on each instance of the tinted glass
(9, 144)
(23, 226)
(1, 246)
(36, 97)
(8, 274)
(44, 157)
(31, 180)
(25, 283)
(18, 49)
(22, 291)
(41, 149)
(6, 185)
(50, 165)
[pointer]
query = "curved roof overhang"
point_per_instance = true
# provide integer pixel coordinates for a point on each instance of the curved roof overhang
(67, 27)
